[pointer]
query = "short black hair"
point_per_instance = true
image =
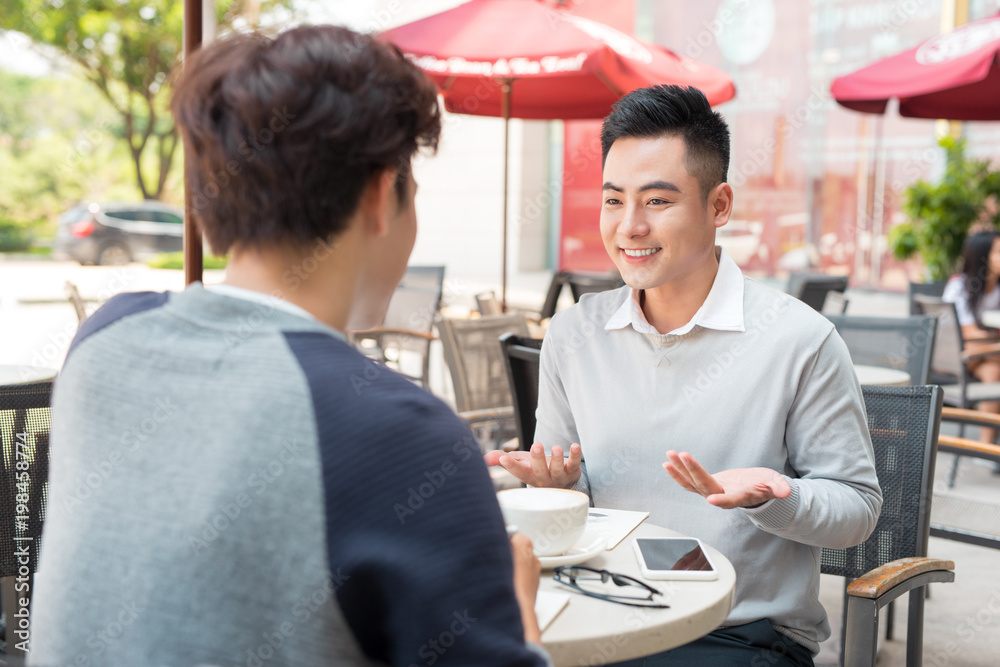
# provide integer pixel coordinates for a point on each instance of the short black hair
(282, 134)
(681, 111)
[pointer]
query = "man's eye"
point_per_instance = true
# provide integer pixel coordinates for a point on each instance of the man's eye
(658, 202)
(612, 201)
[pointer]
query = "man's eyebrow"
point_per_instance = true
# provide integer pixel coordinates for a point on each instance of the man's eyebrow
(659, 185)
(655, 185)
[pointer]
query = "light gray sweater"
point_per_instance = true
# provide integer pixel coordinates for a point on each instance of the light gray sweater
(782, 394)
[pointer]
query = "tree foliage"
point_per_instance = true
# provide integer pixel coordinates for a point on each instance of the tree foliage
(127, 49)
(940, 215)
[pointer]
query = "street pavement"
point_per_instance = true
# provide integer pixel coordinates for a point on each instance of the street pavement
(962, 621)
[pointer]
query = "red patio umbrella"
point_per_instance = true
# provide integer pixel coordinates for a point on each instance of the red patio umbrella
(524, 59)
(954, 76)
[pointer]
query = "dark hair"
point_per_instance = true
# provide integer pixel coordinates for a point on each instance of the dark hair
(282, 134)
(976, 266)
(674, 111)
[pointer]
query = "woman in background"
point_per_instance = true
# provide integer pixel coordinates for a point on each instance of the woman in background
(974, 291)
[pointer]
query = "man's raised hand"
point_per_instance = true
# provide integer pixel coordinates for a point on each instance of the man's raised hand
(535, 469)
(739, 487)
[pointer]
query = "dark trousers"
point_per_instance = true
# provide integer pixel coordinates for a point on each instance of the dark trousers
(755, 644)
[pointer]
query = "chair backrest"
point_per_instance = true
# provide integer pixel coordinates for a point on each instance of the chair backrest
(522, 356)
(903, 422)
(903, 343)
(835, 303)
(24, 435)
(947, 359)
(811, 289)
(926, 289)
(488, 304)
(579, 284)
(475, 360)
(414, 306)
(73, 294)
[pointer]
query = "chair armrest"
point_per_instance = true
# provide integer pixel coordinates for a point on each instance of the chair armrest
(971, 417)
(951, 444)
(882, 579)
(487, 415)
(378, 332)
(992, 350)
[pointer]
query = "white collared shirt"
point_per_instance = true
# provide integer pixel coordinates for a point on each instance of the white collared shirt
(722, 309)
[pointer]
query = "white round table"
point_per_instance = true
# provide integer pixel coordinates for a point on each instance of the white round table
(991, 318)
(879, 375)
(12, 374)
(590, 631)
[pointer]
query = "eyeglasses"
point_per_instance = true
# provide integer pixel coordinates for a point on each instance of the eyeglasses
(569, 576)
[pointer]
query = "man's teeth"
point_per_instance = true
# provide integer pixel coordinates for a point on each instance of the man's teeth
(640, 253)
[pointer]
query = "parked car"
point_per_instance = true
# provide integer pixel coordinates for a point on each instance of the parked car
(118, 232)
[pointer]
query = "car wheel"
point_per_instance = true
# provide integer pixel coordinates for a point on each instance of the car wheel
(115, 254)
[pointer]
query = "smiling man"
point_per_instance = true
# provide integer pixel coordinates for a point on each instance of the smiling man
(694, 363)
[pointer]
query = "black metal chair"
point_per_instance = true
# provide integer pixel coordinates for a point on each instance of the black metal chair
(925, 289)
(949, 364)
(475, 362)
(903, 343)
(960, 517)
(522, 356)
(812, 289)
(407, 327)
(25, 423)
(903, 423)
(579, 284)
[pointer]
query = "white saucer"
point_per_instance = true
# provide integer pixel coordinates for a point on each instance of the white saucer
(589, 546)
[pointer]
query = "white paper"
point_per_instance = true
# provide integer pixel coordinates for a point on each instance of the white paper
(613, 525)
(548, 605)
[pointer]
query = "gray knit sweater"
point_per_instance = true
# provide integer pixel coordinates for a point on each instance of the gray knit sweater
(782, 395)
(233, 484)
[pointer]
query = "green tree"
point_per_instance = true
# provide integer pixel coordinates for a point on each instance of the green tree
(939, 215)
(126, 48)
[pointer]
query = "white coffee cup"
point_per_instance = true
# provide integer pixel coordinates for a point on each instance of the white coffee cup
(553, 519)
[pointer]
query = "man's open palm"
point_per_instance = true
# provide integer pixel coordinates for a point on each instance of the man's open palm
(739, 487)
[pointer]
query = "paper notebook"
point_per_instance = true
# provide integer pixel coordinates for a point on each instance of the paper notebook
(548, 605)
(613, 525)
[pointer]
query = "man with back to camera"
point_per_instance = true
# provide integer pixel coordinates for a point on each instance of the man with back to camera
(251, 515)
(723, 374)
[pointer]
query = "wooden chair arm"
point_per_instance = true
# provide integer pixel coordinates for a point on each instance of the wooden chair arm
(972, 417)
(487, 415)
(378, 332)
(877, 582)
(951, 444)
(992, 350)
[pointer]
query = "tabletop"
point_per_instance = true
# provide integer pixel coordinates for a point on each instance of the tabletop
(991, 318)
(13, 374)
(590, 631)
(879, 375)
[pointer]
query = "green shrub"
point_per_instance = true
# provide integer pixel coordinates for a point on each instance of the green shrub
(175, 260)
(940, 215)
(15, 236)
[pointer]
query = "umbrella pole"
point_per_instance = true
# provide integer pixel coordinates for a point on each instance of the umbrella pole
(505, 109)
(193, 261)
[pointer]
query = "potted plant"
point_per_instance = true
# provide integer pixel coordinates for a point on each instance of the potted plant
(939, 215)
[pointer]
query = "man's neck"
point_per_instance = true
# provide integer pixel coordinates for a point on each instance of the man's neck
(273, 271)
(673, 304)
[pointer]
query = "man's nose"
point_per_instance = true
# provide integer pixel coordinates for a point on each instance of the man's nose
(634, 223)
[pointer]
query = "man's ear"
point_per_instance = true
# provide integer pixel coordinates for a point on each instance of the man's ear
(720, 204)
(377, 202)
